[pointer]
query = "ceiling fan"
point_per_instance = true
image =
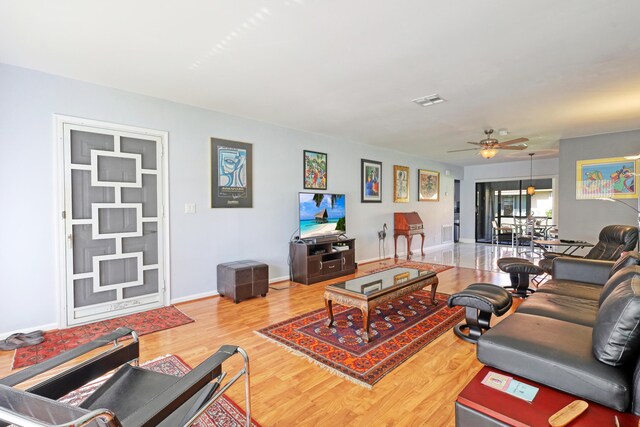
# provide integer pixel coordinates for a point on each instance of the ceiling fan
(489, 147)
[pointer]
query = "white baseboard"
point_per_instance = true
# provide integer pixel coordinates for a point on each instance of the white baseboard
(214, 293)
(47, 327)
(467, 240)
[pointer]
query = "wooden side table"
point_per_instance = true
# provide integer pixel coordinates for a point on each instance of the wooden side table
(479, 404)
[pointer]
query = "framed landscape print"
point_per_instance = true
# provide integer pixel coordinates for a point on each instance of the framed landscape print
(614, 178)
(400, 184)
(315, 170)
(370, 184)
(428, 186)
(231, 174)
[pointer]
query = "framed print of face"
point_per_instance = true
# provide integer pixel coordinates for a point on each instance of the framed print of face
(315, 170)
(400, 184)
(231, 174)
(370, 181)
(428, 186)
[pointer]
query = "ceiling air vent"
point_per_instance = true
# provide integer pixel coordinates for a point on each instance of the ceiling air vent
(429, 100)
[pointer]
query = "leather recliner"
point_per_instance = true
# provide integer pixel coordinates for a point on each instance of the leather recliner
(612, 241)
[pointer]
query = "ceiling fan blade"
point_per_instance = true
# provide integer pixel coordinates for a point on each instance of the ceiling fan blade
(465, 149)
(476, 143)
(514, 147)
(514, 141)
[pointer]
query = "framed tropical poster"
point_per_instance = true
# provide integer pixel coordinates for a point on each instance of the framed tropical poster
(315, 170)
(231, 174)
(428, 186)
(615, 177)
(370, 181)
(400, 184)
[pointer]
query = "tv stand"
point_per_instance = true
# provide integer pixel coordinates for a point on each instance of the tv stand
(315, 262)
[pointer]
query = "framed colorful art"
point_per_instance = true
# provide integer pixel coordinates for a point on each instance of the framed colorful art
(400, 184)
(315, 170)
(231, 174)
(614, 177)
(371, 181)
(428, 186)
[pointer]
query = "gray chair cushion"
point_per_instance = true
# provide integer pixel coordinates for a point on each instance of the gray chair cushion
(620, 276)
(561, 307)
(628, 259)
(555, 353)
(616, 334)
(571, 289)
(483, 296)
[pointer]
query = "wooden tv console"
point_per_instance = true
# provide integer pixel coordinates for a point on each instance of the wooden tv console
(315, 262)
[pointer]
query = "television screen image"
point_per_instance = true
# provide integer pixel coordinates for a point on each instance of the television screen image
(321, 214)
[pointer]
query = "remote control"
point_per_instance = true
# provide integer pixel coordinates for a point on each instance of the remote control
(567, 414)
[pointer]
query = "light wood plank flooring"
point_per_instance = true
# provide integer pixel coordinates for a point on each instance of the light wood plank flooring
(288, 390)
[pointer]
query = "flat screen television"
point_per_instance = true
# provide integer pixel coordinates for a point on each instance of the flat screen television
(321, 214)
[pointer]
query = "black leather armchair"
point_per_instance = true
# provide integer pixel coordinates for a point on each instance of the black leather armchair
(612, 241)
(132, 396)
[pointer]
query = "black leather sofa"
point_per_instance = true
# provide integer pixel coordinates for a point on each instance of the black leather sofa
(579, 333)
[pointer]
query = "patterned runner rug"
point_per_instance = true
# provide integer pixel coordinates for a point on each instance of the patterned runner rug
(61, 340)
(399, 330)
(223, 413)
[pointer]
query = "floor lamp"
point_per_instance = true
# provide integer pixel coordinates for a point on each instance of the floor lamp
(637, 211)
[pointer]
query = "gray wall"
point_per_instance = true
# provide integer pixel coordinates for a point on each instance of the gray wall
(583, 219)
(30, 214)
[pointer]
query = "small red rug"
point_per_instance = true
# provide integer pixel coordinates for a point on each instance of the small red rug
(60, 340)
(224, 412)
(399, 330)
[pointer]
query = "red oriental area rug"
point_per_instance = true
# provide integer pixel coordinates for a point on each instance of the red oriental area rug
(398, 331)
(222, 413)
(60, 340)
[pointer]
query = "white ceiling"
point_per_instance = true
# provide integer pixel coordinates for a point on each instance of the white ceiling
(544, 69)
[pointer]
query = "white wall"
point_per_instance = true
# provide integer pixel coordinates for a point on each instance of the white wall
(542, 168)
(30, 208)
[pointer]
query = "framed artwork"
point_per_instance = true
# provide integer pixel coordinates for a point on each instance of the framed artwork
(400, 184)
(428, 186)
(370, 181)
(400, 278)
(614, 177)
(231, 174)
(372, 287)
(315, 170)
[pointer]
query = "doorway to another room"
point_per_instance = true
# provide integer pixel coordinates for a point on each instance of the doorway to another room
(503, 207)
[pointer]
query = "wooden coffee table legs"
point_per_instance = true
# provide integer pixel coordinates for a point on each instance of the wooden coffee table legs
(328, 303)
(329, 306)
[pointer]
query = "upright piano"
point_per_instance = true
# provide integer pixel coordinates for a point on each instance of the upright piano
(407, 224)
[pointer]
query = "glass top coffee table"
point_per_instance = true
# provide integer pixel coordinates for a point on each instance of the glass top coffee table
(367, 292)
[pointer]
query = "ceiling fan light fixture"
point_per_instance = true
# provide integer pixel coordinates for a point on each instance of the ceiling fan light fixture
(488, 153)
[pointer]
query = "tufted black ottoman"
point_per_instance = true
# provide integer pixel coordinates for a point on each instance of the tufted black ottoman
(519, 270)
(240, 280)
(481, 300)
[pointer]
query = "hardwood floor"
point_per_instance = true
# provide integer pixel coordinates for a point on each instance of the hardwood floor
(288, 390)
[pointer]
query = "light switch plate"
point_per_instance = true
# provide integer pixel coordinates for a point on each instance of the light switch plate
(190, 208)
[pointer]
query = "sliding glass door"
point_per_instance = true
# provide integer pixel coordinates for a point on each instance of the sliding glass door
(507, 202)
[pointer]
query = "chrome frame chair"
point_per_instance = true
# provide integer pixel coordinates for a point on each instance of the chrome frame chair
(132, 396)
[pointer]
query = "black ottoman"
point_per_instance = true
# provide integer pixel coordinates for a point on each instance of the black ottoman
(240, 280)
(481, 300)
(519, 270)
